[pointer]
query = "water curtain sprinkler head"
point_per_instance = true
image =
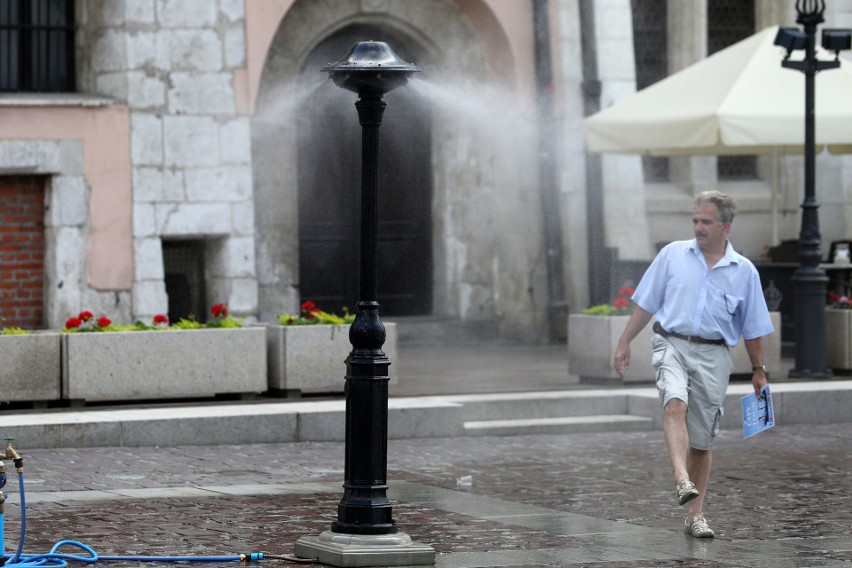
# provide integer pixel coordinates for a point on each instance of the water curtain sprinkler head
(791, 39)
(836, 40)
(810, 7)
(370, 68)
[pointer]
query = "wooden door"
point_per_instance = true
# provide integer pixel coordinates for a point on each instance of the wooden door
(329, 155)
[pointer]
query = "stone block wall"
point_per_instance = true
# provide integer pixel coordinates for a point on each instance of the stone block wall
(66, 200)
(173, 63)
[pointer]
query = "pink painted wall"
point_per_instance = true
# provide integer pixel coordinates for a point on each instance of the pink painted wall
(262, 20)
(505, 29)
(105, 133)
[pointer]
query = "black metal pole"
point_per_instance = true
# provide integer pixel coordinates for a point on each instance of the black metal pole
(365, 507)
(557, 309)
(810, 280)
(371, 108)
(599, 284)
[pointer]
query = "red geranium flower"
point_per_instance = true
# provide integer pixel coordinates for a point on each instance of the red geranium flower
(86, 315)
(104, 321)
(160, 319)
(309, 309)
(73, 323)
(627, 291)
(219, 310)
(620, 303)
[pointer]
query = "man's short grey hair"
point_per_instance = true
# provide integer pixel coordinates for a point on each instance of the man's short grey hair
(724, 203)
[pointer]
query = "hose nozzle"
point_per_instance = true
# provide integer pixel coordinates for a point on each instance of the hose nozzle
(11, 454)
(10, 451)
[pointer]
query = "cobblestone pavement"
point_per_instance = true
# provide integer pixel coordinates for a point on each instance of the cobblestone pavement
(598, 500)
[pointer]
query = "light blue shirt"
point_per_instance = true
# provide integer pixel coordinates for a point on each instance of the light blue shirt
(725, 302)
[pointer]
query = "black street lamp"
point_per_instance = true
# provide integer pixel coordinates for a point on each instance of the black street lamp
(810, 280)
(365, 533)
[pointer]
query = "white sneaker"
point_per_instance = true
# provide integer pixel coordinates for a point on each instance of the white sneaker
(698, 527)
(685, 491)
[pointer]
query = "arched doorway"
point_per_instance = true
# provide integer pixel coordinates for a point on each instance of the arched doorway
(329, 177)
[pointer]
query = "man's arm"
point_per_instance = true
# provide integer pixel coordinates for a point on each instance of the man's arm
(638, 320)
(754, 348)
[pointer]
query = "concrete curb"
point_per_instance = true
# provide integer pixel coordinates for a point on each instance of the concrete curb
(815, 402)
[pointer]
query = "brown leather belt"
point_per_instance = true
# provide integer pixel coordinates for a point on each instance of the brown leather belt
(691, 338)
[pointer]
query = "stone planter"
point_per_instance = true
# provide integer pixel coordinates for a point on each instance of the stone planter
(771, 351)
(139, 365)
(310, 358)
(592, 341)
(838, 332)
(591, 346)
(29, 367)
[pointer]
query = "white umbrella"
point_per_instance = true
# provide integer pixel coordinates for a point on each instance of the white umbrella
(737, 101)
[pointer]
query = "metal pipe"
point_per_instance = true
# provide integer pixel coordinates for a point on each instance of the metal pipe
(598, 269)
(810, 280)
(548, 178)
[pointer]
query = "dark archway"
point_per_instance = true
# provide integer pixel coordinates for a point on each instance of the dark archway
(329, 166)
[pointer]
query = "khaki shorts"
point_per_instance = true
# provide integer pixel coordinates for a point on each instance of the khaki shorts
(698, 375)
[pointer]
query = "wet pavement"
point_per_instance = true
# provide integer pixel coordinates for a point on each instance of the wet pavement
(599, 500)
(424, 371)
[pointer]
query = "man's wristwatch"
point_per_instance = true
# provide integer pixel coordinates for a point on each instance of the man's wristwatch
(759, 368)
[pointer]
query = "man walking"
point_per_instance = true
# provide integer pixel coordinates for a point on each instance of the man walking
(705, 296)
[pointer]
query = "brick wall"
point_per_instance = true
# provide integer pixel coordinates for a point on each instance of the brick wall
(22, 251)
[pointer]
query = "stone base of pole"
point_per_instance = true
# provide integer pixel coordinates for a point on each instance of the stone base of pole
(810, 286)
(340, 549)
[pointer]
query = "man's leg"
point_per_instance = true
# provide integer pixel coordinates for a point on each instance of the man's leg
(673, 386)
(698, 464)
(677, 438)
(709, 387)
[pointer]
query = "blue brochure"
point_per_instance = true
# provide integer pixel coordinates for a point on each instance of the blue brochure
(758, 413)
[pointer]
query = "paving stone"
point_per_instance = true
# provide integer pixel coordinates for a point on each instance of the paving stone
(599, 500)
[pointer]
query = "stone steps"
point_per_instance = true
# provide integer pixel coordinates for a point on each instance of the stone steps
(503, 414)
(437, 331)
(565, 412)
(559, 425)
(544, 404)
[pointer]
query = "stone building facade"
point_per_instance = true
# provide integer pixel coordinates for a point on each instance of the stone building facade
(203, 157)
